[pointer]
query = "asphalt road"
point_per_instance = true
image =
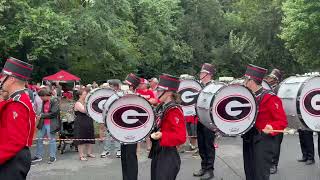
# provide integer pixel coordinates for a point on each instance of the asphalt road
(228, 165)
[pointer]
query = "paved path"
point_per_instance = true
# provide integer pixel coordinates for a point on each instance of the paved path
(228, 165)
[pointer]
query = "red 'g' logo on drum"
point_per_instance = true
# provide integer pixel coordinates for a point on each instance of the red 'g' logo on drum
(97, 104)
(311, 102)
(130, 116)
(189, 96)
(234, 108)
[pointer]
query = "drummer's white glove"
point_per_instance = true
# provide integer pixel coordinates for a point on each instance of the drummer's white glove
(156, 135)
(268, 129)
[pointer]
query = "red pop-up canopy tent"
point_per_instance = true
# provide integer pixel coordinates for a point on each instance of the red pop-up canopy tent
(63, 76)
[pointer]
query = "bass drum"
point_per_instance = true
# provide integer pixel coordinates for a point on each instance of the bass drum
(240, 81)
(94, 102)
(129, 118)
(300, 96)
(230, 109)
(189, 90)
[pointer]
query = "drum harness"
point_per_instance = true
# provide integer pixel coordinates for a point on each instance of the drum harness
(161, 110)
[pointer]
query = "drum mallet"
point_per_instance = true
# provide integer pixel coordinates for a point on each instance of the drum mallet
(290, 131)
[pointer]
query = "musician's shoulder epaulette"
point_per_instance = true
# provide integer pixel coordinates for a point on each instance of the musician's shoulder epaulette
(17, 97)
(270, 92)
(171, 105)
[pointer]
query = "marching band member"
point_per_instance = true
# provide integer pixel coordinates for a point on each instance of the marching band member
(153, 84)
(205, 136)
(129, 160)
(191, 125)
(273, 79)
(146, 93)
(307, 146)
(109, 144)
(258, 143)
(165, 164)
(149, 95)
(17, 121)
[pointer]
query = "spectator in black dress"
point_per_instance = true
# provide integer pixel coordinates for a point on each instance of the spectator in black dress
(83, 127)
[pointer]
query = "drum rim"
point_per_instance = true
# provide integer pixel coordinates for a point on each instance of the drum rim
(87, 99)
(140, 140)
(255, 115)
(105, 111)
(198, 91)
(210, 104)
(298, 98)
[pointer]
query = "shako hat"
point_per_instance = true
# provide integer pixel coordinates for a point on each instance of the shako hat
(256, 73)
(276, 74)
(168, 82)
(18, 69)
(132, 80)
(208, 68)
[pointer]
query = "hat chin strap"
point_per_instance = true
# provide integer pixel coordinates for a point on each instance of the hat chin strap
(162, 94)
(204, 77)
(2, 82)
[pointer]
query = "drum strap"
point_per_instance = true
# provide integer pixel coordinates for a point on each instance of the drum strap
(253, 131)
(261, 94)
(161, 111)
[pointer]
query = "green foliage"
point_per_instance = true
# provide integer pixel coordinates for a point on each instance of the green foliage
(158, 39)
(301, 31)
(32, 32)
(203, 27)
(232, 57)
(103, 47)
(261, 19)
(99, 40)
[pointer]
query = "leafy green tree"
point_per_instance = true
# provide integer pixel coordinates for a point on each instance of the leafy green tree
(261, 19)
(103, 47)
(158, 39)
(99, 40)
(31, 32)
(301, 31)
(203, 27)
(235, 54)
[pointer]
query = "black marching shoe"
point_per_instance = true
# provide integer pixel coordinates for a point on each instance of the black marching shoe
(309, 162)
(199, 173)
(303, 159)
(273, 169)
(208, 175)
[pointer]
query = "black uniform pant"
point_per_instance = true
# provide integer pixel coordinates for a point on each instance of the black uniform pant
(206, 147)
(129, 162)
(319, 145)
(18, 167)
(306, 144)
(257, 156)
(277, 148)
(165, 165)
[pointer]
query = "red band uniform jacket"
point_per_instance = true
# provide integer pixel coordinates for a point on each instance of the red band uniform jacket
(173, 128)
(17, 124)
(271, 112)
